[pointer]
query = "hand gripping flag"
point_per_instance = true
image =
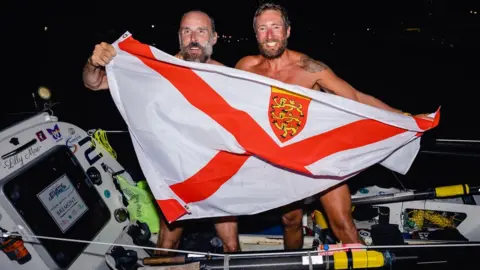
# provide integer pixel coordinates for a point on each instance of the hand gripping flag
(216, 141)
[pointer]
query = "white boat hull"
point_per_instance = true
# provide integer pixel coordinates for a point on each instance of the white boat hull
(93, 256)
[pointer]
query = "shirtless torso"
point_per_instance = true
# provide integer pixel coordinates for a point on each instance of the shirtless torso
(299, 69)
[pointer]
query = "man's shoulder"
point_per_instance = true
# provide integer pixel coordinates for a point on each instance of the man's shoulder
(309, 64)
(215, 62)
(248, 61)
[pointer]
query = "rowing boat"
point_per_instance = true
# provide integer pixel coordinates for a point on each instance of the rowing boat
(62, 207)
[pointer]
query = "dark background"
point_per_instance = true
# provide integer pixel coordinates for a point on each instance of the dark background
(415, 55)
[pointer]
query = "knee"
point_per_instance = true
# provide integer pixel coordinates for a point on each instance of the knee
(292, 220)
(166, 244)
(169, 237)
(231, 246)
(169, 243)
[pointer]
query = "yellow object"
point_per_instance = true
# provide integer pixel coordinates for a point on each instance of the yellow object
(419, 217)
(340, 260)
(361, 259)
(367, 259)
(140, 203)
(320, 219)
(407, 114)
(455, 190)
(100, 136)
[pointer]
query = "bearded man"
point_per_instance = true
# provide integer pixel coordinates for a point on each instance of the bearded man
(197, 36)
(272, 29)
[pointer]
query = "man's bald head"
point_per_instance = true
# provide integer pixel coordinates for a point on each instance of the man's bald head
(199, 15)
(197, 36)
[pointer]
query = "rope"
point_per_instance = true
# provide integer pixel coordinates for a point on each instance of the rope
(100, 136)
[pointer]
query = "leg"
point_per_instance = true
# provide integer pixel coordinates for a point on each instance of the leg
(292, 228)
(227, 230)
(337, 204)
(169, 237)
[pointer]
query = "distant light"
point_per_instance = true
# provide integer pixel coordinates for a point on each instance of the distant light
(153, 25)
(471, 11)
(44, 93)
(474, 12)
(413, 29)
(368, 29)
(46, 28)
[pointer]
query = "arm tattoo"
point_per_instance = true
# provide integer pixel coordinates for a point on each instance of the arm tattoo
(312, 65)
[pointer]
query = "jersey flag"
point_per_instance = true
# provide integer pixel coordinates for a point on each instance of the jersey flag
(216, 141)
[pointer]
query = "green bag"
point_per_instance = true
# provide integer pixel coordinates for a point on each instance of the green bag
(140, 203)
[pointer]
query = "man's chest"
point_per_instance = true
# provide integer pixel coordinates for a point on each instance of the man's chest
(295, 76)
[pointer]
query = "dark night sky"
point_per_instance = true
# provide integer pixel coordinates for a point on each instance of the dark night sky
(365, 42)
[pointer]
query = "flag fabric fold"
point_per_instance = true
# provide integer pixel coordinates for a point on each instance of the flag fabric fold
(216, 141)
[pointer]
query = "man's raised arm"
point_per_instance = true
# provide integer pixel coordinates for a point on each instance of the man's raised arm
(329, 81)
(94, 75)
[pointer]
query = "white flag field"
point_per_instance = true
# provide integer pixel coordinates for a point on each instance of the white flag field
(216, 141)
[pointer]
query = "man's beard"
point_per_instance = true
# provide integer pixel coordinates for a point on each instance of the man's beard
(203, 57)
(273, 54)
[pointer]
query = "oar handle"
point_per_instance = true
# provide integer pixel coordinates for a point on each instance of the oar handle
(455, 190)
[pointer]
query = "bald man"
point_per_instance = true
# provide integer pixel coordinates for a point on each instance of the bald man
(197, 36)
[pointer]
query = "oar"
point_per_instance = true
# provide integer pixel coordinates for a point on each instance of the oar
(439, 192)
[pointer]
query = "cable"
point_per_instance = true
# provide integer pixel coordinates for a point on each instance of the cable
(105, 243)
(305, 252)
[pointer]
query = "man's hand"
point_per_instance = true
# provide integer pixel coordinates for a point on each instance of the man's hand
(102, 55)
(94, 76)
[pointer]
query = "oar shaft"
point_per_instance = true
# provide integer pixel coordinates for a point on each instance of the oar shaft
(394, 197)
(355, 259)
(439, 192)
(164, 260)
